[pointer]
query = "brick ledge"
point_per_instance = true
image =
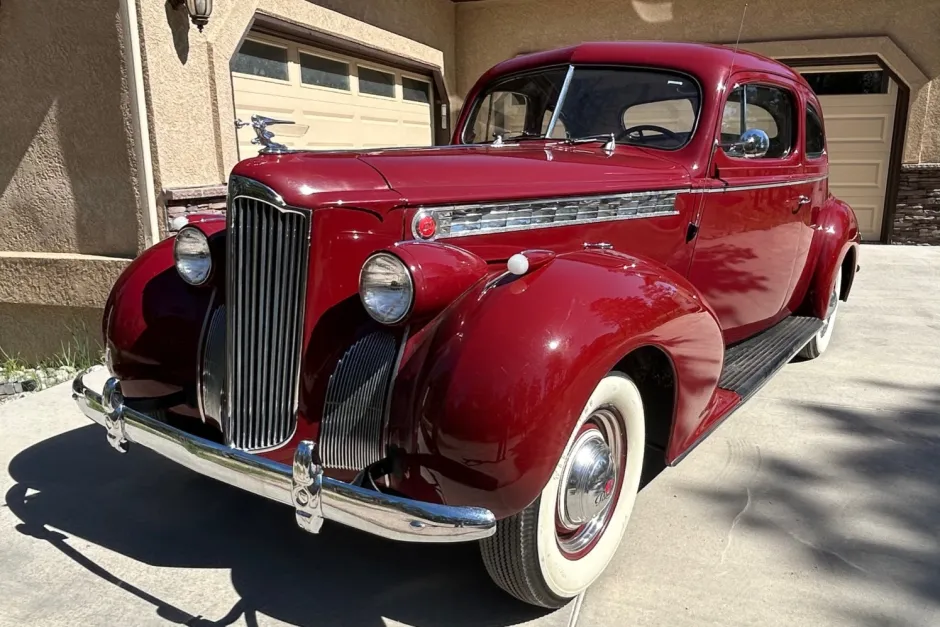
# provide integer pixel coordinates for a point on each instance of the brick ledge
(176, 194)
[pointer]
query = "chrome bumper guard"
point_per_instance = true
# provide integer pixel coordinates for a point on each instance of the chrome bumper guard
(312, 495)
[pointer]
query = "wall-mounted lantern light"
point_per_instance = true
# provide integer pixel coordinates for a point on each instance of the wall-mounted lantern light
(199, 10)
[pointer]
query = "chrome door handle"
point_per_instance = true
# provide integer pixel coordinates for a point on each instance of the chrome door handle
(800, 203)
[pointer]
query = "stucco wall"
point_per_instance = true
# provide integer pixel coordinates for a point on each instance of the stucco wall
(187, 72)
(52, 300)
(69, 215)
(66, 166)
(491, 31)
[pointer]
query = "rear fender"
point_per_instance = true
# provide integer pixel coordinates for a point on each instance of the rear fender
(836, 236)
(493, 390)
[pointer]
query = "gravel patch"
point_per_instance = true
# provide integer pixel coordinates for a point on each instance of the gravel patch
(20, 383)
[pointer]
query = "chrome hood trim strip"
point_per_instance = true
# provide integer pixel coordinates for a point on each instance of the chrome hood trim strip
(501, 217)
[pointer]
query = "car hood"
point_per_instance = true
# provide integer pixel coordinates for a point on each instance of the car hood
(384, 179)
(481, 173)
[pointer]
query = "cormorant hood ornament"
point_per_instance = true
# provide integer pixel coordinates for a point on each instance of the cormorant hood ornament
(263, 136)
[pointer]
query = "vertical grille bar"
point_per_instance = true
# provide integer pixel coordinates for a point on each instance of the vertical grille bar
(353, 411)
(268, 262)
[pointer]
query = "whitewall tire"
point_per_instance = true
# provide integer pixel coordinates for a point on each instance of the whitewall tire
(555, 548)
(820, 342)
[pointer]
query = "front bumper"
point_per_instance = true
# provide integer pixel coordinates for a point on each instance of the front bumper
(313, 496)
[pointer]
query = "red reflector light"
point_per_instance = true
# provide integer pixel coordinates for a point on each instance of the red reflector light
(426, 227)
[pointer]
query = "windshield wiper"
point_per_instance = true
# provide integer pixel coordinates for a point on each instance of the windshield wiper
(609, 138)
(501, 139)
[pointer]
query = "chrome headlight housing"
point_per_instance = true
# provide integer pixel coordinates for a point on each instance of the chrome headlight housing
(191, 253)
(386, 288)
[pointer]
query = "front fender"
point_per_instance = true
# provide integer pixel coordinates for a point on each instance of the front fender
(153, 319)
(836, 236)
(493, 390)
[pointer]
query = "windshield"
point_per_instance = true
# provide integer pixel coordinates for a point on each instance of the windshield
(653, 108)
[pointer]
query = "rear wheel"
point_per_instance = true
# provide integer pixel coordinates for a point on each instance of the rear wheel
(820, 342)
(556, 547)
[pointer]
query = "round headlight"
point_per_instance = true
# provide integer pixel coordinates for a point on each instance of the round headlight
(193, 261)
(386, 288)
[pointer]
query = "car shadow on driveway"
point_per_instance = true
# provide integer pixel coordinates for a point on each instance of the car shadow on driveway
(152, 511)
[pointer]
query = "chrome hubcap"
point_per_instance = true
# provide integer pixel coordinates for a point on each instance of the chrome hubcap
(833, 303)
(589, 481)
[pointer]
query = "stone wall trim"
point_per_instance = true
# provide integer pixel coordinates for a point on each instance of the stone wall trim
(917, 214)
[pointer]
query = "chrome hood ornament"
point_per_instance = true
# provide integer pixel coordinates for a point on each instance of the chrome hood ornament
(263, 136)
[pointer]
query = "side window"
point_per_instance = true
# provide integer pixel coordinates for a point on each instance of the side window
(815, 136)
(515, 108)
(501, 113)
(770, 109)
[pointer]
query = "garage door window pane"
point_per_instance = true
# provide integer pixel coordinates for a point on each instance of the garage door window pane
(815, 139)
(324, 72)
(415, 91)
(847, 83)
(376, 83)
(261, 60)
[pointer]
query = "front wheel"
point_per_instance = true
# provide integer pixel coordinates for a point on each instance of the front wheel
(556, 547)
(820, 342)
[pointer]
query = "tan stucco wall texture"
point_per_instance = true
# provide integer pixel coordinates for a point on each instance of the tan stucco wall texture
(69, 216)
(188, 80)
(67, 168)
(491, 31)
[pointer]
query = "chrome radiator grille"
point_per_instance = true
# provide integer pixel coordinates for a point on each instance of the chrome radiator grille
(354, 410)
(268, 258)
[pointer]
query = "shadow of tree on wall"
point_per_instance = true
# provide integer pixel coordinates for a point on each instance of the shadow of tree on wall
(61, 86)
(151, 510)
(886, 534)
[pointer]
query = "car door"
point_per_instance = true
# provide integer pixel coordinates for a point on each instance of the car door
(809, 196)
(747, 236)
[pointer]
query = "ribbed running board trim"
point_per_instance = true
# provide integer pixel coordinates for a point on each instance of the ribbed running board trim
(750, 364)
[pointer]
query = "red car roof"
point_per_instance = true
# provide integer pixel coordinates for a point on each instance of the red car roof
(710, 63)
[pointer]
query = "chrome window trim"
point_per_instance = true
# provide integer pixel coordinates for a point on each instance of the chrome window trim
(664, 196)
(560, 102)
(745, 188)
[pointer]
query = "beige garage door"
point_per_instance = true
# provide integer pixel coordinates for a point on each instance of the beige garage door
(859, 104)
(336, 101)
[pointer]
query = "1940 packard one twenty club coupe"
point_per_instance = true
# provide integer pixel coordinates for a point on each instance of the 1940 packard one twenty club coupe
(481, 341)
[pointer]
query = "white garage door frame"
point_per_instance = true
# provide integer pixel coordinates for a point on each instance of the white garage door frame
(268, 26)
(333, 117)
(899, 128)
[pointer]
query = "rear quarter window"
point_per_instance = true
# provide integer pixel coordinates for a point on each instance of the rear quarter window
(815, 135)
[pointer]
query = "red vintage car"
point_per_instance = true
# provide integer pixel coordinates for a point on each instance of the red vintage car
(482, 341)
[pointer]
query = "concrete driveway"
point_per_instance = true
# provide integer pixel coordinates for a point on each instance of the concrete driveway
(817, 504)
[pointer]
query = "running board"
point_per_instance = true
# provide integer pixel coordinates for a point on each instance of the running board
(750, 364)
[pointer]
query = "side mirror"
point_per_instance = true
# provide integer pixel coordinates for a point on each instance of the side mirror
(754, 143)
